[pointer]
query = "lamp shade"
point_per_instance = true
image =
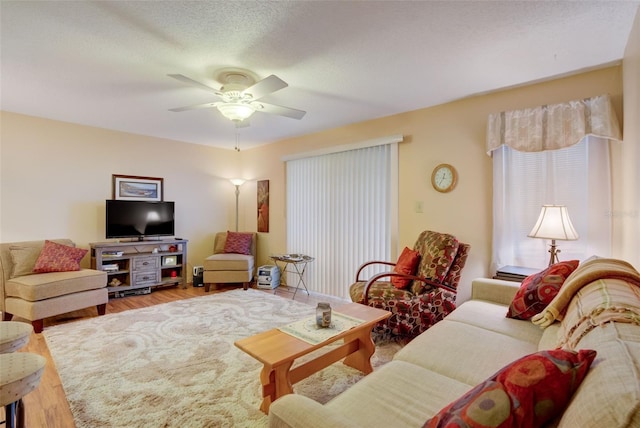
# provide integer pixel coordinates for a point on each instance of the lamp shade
(554, 223)
(237, 181)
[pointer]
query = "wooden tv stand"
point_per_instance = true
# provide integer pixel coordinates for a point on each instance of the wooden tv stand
(141, 265)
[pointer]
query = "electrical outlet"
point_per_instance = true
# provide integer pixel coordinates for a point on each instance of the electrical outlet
(419, 207)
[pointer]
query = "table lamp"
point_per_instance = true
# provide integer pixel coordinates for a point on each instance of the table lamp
(554, 223)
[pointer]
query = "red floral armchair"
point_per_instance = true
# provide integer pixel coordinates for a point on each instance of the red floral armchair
(430, 294)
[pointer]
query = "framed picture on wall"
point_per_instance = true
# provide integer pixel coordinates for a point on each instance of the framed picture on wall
(135, 188)
(263, 206)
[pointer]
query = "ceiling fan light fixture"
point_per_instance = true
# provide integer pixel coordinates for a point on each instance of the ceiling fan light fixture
(236, 111)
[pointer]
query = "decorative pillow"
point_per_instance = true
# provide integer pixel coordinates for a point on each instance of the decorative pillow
(527, 393)
(538, 290)
(407, 264)
(58, 258)
(24, 259)
(239, 243)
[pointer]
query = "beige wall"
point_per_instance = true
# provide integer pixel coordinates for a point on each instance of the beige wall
(451, 133)
(627, 220)
(55, 177)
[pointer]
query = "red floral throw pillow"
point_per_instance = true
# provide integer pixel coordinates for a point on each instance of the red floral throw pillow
(407, 264)
(56, 257)
(527, 393)
(239, 243)
(538, 290)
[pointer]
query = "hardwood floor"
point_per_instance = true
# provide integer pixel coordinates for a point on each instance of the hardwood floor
(47, 406)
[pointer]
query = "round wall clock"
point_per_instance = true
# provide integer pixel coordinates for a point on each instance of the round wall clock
(444, 177)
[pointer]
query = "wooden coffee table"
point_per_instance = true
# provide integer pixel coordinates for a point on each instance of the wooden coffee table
(278, 351)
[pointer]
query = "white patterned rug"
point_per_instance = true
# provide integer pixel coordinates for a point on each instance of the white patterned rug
(175, 365)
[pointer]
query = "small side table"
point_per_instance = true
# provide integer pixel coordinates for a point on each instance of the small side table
(14, 335)
(299, 263)
(20, 372)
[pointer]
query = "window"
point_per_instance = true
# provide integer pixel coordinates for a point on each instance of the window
(555, 154)
(577, 176)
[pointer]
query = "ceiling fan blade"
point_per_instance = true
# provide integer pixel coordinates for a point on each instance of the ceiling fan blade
(282, 111)
(265, 86)
(194, 107)
(189, 81)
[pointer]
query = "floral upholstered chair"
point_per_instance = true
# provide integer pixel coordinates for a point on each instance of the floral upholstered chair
(419, 293)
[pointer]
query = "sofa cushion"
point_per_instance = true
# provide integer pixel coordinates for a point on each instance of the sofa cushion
(407, 265)
(538, 290)
(527, 393)
(379, 290)
(239, 243)
(24, 259)
(549, 339)
(490, 316)
(47, 285)
(397, 394)
(58, 258)
(440, 348)
(230, 261)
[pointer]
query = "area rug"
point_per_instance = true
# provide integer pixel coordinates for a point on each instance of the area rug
(175, 365)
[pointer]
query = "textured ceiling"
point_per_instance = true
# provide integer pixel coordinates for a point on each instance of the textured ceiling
(105, 63)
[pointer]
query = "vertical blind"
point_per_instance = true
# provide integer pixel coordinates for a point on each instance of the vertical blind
(340, 211)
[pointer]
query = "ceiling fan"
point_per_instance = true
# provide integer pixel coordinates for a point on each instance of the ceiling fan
(240, 95)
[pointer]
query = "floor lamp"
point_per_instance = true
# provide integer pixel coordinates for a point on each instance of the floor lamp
(554, 223)
(237, 182)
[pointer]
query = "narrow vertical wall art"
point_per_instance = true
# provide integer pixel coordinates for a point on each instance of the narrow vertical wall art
(263, 206)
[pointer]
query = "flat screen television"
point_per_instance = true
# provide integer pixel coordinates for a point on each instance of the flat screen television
(139, 219)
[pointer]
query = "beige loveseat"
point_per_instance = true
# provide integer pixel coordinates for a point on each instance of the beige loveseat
(470, 345)
(35, 296)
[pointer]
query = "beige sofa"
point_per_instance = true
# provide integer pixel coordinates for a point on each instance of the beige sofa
(42, 295)
(467, 347)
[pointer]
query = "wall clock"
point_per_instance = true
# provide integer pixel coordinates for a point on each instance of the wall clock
(444, 178)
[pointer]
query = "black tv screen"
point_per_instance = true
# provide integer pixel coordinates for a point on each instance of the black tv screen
(139, 219)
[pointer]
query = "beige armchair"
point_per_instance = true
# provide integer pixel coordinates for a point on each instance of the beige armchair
(231, 262)
(35, 296)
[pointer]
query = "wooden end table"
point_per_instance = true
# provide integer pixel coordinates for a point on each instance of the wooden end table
(277, 351)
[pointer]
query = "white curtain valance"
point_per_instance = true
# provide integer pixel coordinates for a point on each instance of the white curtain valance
(552, 127)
